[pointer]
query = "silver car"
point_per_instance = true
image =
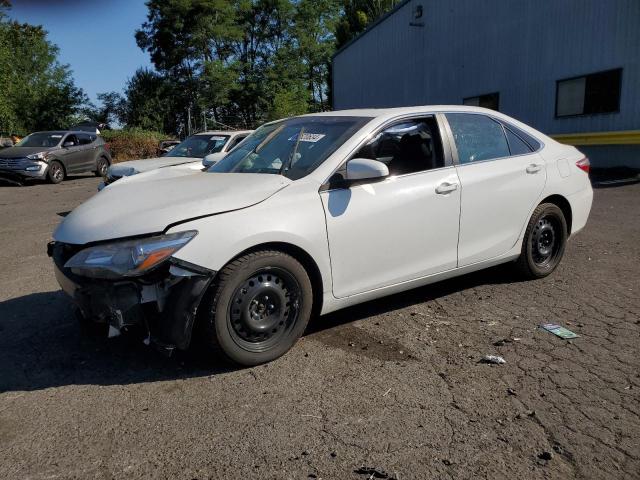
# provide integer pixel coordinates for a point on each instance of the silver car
(53, 155)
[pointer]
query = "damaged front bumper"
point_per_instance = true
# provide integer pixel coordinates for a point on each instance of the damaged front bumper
(19, 170)
(164, 302)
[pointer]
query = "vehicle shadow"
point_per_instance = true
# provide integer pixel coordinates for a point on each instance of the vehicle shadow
(42, 344)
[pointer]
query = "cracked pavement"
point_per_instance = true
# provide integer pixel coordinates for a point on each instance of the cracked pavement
(393, 384)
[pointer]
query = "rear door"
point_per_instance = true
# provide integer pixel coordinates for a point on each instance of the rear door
(87, 152)
(501, 178)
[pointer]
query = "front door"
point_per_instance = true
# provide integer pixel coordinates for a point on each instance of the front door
(403, 227)
(501, 179)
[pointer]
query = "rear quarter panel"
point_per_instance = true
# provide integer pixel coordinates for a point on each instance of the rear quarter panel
(566, 179)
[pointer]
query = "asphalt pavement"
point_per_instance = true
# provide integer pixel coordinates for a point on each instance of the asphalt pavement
(394, 386)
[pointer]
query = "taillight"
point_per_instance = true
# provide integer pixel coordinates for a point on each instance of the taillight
(584, 164)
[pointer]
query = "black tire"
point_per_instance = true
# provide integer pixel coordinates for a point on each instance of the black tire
(101, 167)
(56, 172)
(261, 328)
(544, 242)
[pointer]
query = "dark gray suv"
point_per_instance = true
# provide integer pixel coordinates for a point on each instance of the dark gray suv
(53, 155)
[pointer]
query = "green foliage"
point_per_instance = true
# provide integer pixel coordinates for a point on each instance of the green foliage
(236, 62)
(38, 92)
(133, 143)
(111, 110)
(358, 15)
(152, 102)
(241, 62)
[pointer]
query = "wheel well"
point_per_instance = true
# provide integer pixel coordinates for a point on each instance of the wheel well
(307, 262)
(563, 204)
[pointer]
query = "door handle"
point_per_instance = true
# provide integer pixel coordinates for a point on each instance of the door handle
(533, 168)
(446, 187)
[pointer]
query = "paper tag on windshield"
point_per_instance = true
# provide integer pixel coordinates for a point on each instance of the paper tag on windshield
(217, 139)
(311, 137)
(56, 136)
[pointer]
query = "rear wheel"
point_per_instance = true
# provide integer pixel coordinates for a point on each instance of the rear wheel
(258, 308)
(101, 167)
(55, 174)
(544, 242)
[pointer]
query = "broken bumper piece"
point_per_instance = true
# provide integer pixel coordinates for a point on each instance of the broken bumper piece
(164, 302)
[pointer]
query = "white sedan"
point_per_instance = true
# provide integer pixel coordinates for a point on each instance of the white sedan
(210, 146)
(315, 213)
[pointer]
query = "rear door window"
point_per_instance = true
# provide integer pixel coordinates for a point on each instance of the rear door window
(477, 137)
(85, 139)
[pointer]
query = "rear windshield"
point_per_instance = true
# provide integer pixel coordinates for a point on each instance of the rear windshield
(293, 147)
(41, 139)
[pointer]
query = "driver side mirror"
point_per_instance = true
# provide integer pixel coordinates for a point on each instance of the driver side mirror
(68, 144)
(365, 169)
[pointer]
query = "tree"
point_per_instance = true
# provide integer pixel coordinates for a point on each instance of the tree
(358, 15)
(38, 93)
(151, 103)
(182, 37)
(315, 22)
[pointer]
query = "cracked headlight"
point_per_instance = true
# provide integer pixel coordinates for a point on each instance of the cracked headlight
(38, 156)
(128, 258)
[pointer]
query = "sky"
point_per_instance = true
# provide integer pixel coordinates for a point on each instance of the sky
(95, 37)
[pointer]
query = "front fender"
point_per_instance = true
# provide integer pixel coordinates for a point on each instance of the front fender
(294, 215)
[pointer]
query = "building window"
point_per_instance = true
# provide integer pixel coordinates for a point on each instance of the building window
(490, 100)
(589, 94)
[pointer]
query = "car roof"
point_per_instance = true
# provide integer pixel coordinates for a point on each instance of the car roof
(397, 111)
(63, 132)
(386, 114)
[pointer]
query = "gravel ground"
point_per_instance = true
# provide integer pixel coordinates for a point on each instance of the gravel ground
(393, 384)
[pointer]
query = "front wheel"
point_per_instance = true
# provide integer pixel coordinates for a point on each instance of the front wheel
(544, 242)
(258, 307)
(101, 167)
(56, 172)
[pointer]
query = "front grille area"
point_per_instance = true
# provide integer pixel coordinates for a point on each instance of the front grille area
(11, 162)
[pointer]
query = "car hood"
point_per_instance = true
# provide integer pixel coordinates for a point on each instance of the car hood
(149, 202)
(124, 169)
(21, 152)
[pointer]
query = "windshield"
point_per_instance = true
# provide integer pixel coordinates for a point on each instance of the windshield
(293, 147)
(41, 139)
(198, 146)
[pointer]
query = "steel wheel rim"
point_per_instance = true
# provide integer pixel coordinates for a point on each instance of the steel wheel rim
(545, 241)
(264, 309)
(56, 172)
(103, 168)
